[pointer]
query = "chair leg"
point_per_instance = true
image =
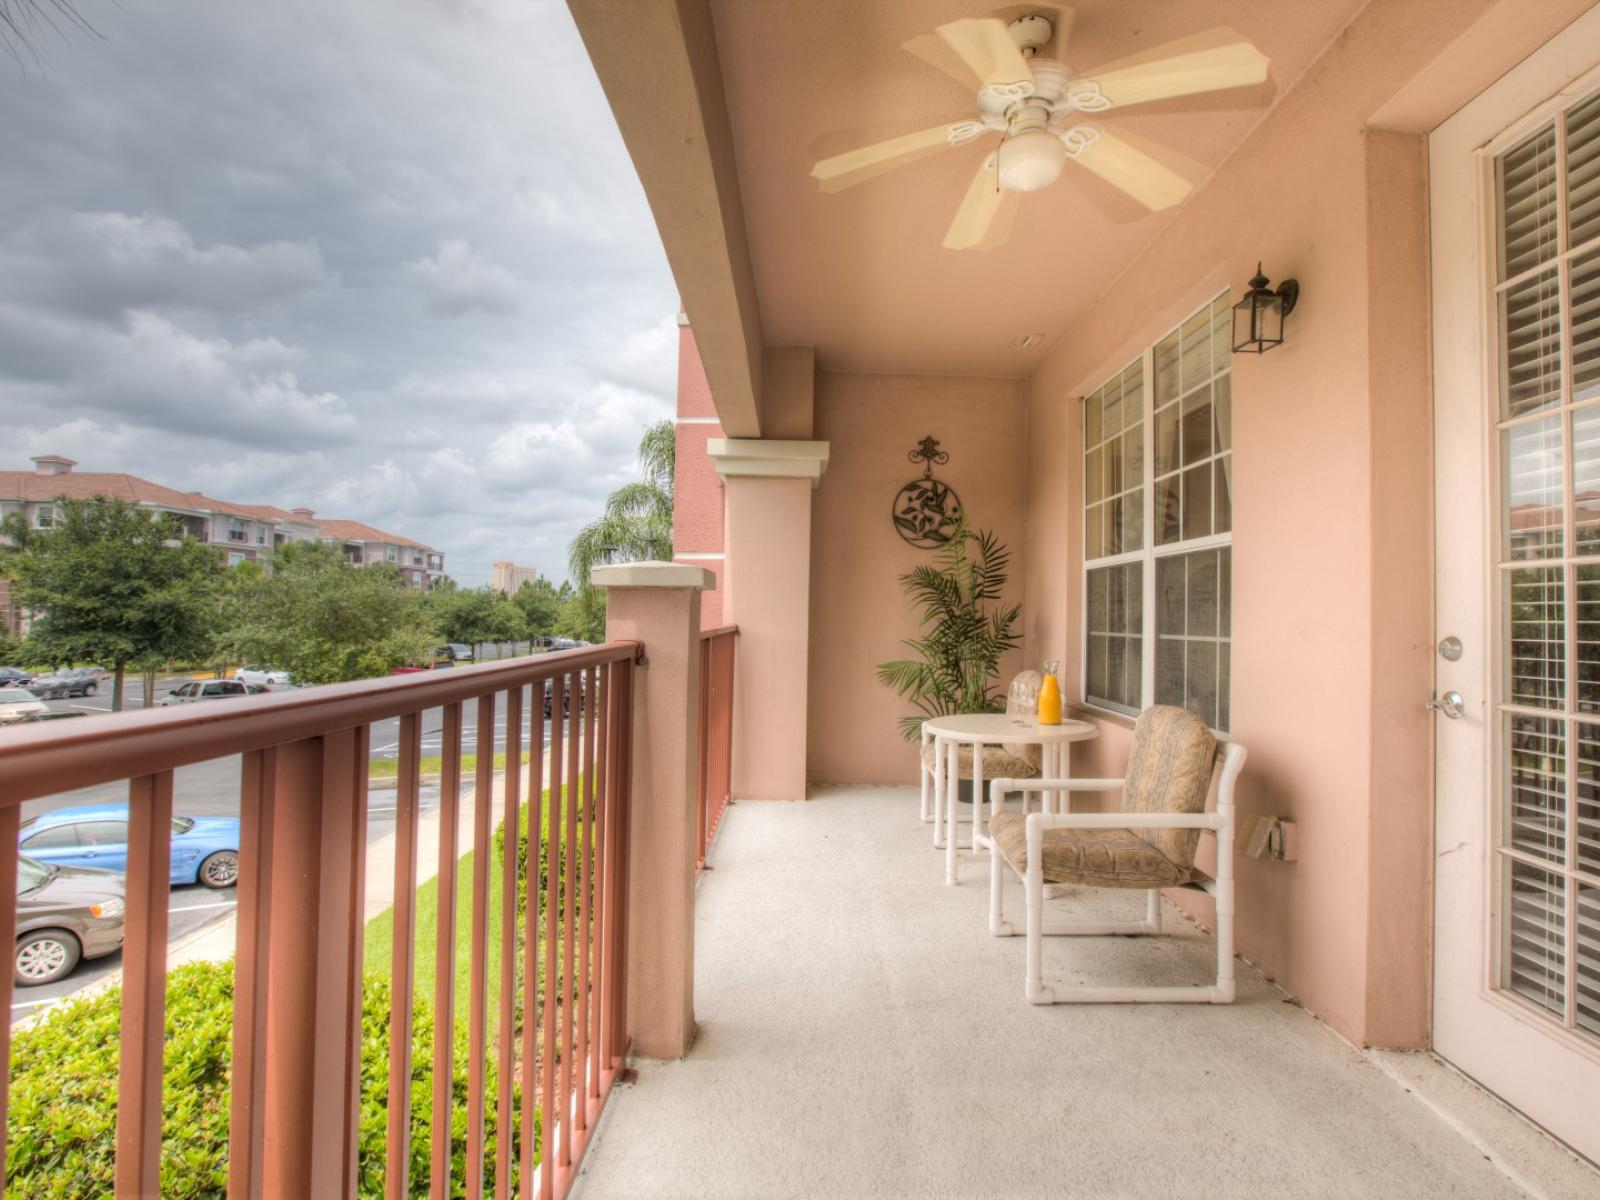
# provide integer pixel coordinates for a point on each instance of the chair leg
(922, 811)
(997, 878)
(1033, 986)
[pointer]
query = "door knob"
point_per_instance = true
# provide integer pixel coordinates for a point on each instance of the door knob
(1450, 704)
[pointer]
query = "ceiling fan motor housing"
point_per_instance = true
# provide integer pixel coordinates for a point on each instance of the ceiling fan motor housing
(1030, 34)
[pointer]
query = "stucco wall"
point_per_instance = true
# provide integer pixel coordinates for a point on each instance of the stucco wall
(858, 613)
(1332, 547)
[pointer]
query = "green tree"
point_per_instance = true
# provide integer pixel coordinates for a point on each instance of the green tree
(540, 603)
(465, 615)
(637, 523)
(115, 584)
(583, 615)
(324, 620)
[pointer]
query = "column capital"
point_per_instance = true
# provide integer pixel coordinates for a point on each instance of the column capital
(653, 575)
(769, 458)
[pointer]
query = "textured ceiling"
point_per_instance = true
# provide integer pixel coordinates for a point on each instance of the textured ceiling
(860, 274)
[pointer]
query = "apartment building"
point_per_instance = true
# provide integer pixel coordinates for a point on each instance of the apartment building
(244, 532)
(508, 577)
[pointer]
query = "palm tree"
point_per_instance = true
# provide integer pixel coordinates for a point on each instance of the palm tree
(637, 524)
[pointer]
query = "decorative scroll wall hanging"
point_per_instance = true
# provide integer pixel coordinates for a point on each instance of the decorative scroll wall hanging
(926, 511)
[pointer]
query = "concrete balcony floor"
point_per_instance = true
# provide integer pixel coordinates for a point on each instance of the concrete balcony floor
(862, 1035)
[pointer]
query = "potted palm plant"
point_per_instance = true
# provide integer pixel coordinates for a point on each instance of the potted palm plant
(965, 630)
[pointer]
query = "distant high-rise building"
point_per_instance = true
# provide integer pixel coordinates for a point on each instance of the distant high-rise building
(508, 577)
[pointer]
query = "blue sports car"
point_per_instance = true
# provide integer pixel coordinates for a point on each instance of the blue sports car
(204, 849)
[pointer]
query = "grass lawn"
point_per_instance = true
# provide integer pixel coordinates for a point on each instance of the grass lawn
(389, 768)
(379, 938)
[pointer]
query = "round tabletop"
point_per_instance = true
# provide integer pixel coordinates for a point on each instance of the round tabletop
(986, 728)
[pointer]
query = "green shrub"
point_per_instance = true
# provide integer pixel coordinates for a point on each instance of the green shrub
(64, 1093)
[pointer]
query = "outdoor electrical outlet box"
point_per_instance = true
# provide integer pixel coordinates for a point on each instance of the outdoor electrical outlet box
(1262, 836)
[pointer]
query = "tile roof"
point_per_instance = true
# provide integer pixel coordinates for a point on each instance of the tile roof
(83, 485)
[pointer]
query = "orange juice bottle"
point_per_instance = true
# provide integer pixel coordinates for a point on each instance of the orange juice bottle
(1050, 696)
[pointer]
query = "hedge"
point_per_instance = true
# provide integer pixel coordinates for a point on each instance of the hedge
(64, 1093)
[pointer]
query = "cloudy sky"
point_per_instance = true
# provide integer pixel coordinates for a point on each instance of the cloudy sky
(385, 258)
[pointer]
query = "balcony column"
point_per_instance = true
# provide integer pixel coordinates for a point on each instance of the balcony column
(658, 604)
(768, 596)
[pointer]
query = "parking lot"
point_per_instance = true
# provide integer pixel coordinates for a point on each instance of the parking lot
(212, 789)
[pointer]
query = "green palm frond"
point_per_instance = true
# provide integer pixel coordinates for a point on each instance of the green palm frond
(963, 635)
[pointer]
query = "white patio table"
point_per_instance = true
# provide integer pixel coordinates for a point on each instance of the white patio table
(978, 730)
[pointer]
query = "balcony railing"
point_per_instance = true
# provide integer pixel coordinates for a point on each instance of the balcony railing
(717, 650)
(297, 1023)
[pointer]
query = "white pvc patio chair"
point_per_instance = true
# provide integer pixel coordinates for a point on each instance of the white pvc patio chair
(1149, 844)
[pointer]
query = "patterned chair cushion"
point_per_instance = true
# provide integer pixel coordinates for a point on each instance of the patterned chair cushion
(1088, 857)
(1169, 771)
(998, 763)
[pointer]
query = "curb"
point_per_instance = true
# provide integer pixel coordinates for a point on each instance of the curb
(390, 783)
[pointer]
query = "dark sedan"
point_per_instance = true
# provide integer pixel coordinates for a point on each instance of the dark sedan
(65, 684)
(15, 677)
(64, 915)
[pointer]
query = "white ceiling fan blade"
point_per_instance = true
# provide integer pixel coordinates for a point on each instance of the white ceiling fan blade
(852, 167)
(1123, 165)
(984, 218)
(1206, 62)
(976, 51)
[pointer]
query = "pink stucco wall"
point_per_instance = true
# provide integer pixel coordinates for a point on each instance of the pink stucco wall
(858, 613)
(1332, 546)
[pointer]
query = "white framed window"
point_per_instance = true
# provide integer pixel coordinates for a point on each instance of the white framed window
(1545, 928)
(44, 517)
(1158, 525)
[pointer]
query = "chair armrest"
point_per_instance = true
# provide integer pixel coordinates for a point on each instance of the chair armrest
(999, 788)
(1123, 820)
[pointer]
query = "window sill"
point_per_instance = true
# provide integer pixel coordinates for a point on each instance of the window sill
(1093, 712)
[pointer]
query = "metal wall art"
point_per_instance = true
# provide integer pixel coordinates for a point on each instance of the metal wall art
(926, 512)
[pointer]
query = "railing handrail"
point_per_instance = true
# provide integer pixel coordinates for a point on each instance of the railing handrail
(48, 758)
(719, 631)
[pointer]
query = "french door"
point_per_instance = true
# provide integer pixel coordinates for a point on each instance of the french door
(1515, 213)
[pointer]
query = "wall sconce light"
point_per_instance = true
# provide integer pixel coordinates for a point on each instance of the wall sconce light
(1258, 318)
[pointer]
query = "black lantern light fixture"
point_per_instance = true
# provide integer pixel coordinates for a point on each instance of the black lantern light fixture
(1258, 318)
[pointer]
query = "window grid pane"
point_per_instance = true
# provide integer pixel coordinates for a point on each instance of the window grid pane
(1547, 792)
(1183, 452)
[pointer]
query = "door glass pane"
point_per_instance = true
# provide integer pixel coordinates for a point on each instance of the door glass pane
(1588, 959)
(1116, 620)
(1585, 314)
(1091, 420)
(1586, 479)
(1586, 638)
(1112, 420)
(1535, 966)
(1197, 427)
(1530, 346)
(1132, 468)
(1223, 511)
(1587, 747)
(1222, 406)
(1536, 789)
(1094, 540)
(1526, 180)
(1583, 171)
(1094, 475)
(1192, 627)
(1536, 618)
(1531, 454)
(1168, 510)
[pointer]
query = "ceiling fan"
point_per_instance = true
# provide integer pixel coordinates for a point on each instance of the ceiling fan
(1036, 105)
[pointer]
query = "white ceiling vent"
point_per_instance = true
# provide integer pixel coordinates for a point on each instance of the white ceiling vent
(1026, 341)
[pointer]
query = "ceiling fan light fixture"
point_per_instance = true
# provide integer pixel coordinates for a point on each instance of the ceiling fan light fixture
(1031, 160)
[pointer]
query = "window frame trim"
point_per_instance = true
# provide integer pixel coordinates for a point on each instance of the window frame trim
(1149, 552)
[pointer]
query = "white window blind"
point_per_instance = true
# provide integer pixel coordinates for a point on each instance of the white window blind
(1547, 306)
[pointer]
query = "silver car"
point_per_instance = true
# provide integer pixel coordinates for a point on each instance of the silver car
(64, 915)
(207, 689)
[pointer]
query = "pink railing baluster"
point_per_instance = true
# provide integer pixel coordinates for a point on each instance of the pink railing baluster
(599, 807)
(444, 964)
(397, 1158)
(569, 927)
(510, 819)
(580, 1057)
(534, 1005)
(144, 985)
(549, 1100)
(10, 822)
(478, 978)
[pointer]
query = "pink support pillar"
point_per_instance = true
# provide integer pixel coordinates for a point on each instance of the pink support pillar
(768, 579)
(658, 604)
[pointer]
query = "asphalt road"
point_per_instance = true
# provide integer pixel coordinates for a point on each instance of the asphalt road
(212, 789)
